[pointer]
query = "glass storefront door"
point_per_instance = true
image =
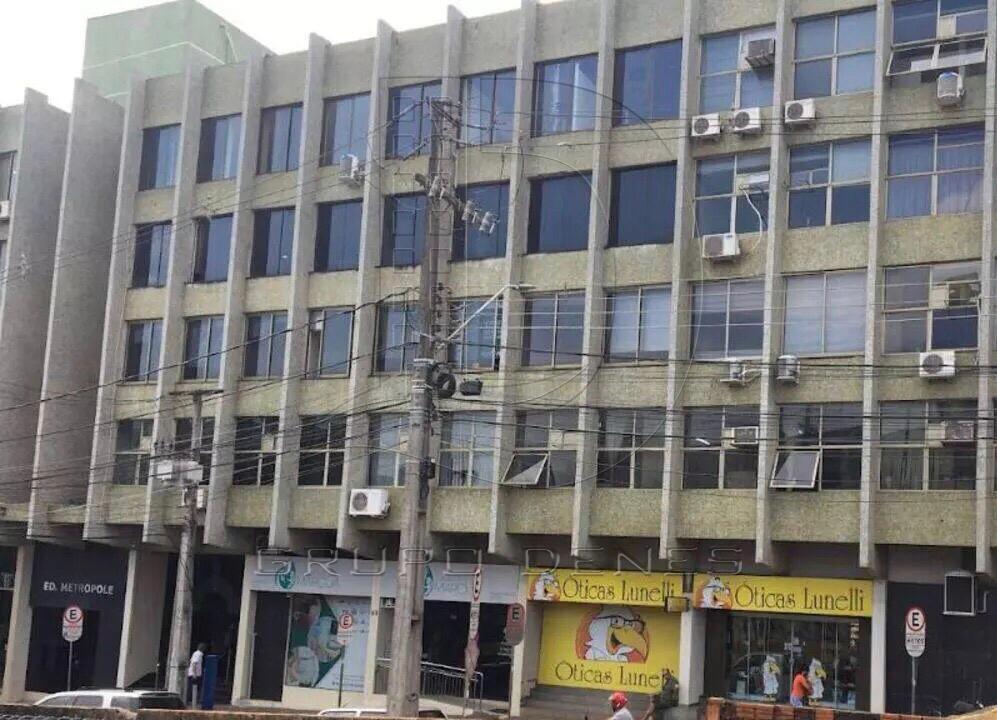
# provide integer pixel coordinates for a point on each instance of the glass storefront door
(764, 653)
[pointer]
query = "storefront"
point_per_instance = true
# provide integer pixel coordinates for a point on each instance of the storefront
(762, 630)
(607, 630)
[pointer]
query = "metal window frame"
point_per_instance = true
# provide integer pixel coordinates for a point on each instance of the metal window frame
(313, 355)
(494, 74)
(495, 311)
(633, 447)
(734, 195)
(474, 449)
(835, 55)
(820, 447)
(738, 71)
(929, 312)
(718, 448)
(611, 317)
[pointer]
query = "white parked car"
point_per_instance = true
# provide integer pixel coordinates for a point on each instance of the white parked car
(425, 712)
(114, 698)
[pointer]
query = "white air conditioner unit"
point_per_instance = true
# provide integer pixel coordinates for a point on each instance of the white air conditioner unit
(752, 182)
(800, 112)
(951, 432)
(4, 209)
(960, 594)
(946, 26)
(747, 121)
(706, 127)
(369, 502)
(201, 499)
(268, 442)
(950, 89)
(953, 294)
(788, 370)
(936, 365)
(350, 170)
(760, 52)
(720, 247)
(743, 436)
(737, 373)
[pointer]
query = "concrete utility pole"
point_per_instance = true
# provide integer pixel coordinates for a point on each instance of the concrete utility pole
(406, 640)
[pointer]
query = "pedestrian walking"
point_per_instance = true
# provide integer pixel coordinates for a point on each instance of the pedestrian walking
(667, 697)
(195, 671)
(618, 703)
(801, 688)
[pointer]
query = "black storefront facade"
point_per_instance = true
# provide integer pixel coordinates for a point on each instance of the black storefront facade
(94, 579)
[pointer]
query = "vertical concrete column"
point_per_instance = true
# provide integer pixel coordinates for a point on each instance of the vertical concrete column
(365, 314)
(370, 666)
(178, 273)
(216, 532)
(145, 593)
(302, 257)
(525, 655)
(773, 314)
(873, 327)
(19, 633)
(499, 541)
(595, 297)
(112, 358)
(684, 243)
(242, 670)
(877, 654)
(692, 655)
(985, 402)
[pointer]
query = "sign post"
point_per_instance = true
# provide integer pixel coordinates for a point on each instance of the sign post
(472, 651)
(72, 630)
(343, 636)
(915, 632)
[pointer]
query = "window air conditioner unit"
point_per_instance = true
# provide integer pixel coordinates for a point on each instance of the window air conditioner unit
(747, 121)
(800, 112)
(787, 370)
(951, 432)
(936, 365)
(4, 209)
(960, 593)
(706, 127)
(268, 443)
(946, 26)
(350, 171)
(950, 89)
(559, 439)
(201, 499)
(743, 436)
(954, 294)
(737, 373)
(752, 182)
(369, 502)
(760, 52)
(720, 247)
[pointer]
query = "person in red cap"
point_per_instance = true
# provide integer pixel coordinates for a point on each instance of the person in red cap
(618, 702)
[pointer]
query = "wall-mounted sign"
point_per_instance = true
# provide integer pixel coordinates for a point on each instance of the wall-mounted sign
(800, 596)
(604, 586)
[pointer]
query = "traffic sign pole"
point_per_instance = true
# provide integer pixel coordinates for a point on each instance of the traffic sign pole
(915, 639)
(72, 630)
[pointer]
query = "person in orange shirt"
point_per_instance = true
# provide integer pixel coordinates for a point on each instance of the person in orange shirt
(801, 687)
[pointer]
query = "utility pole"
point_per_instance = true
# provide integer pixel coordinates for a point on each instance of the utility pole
(406, 639)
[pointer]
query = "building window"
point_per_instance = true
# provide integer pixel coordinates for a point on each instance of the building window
(727, 319)
(264, 354)
(211, 249)
(920, 20)
(388, 444)
(467, 449)
(132, 452)
(337, 238)
(404, 230)
(553, 328)
(727, 81)
(937, 172)
(825, 313)
(470, 242)
(218, 156)
(488, 101)
(642, 206)
(931, 307)
(410, 119)
(255, 450)
(712, 457)
(631, 448)
(203, 347)
(7, 175)
(477, 345)
(160, 146)
(820, 447)
(184, 439)
(322, 453)
(152, 255)
(547, 445)
(142, 350)
(280, 139)
(639, 324)
(559, 213)
(835, 54)
(647, 83)
(398, 328)
(330, 340)
(344, 128)
(273, 240)
(564, 95)
(928, 445)
(725, 202)
(829, 183)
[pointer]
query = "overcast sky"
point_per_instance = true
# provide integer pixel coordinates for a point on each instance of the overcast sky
(42, 46)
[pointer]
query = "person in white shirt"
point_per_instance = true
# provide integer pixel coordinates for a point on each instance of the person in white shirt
(618, 702)
(195, 670)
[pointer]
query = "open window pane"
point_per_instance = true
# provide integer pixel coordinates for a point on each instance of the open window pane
(796, 469)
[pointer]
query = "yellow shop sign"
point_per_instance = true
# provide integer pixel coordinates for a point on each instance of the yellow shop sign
(605, 586)
(801, 596)
(608, 647)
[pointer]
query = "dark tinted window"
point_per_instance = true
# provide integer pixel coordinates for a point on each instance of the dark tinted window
(344, 128)
(152, 255)
(398, 327)
(264, 355)
(203, 347)
(565, 95)
(218, 156)
(642, 210)
(159, 157)
(559, 213)
(337, 240)
(488, 102)
(7, 174)
(142, 350)
(410, 117)
(553, 329)
(273, 237)
(404, 230)
(211, 250)
(470, 241)
(647, 83)
(280, 139)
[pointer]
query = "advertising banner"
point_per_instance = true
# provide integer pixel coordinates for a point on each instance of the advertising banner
(796, 595)
(594, 586)
(608, 647)
(327, 642)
